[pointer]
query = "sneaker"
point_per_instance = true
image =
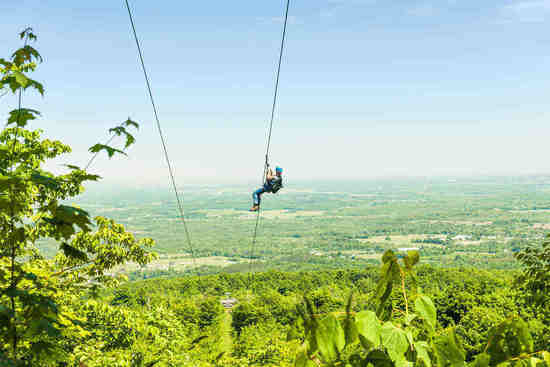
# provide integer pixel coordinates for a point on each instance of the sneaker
(255, 208)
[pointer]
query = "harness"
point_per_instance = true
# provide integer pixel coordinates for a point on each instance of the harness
(273, 187)
(277, 186)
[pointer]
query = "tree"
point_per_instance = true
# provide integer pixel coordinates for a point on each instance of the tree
(536, 273)
(33, 288)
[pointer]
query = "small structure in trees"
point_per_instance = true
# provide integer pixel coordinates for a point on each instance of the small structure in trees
(229, 302)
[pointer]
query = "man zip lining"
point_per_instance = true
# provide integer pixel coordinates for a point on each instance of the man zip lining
(272, 184)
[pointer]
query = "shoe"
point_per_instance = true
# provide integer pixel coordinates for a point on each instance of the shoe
(255, 208)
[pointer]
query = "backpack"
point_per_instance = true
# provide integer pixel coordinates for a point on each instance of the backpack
(276, 186)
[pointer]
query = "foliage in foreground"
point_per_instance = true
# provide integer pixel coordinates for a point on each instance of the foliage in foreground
(405, 336)
(35, 291)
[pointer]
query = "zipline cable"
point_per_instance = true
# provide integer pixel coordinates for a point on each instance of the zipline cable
(167, 158)
(266, 164)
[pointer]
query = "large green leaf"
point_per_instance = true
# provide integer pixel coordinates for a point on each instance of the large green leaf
(22, 116)
(65, 217)
(411, 259)
(302, 359)
(330, 338)
(73, 215)
(422, 354)
(378, 359)
(25, 54)
(448, 349)
(350, 329)
(425, 307)
(509, 339)
(369, 329)
(395, 341)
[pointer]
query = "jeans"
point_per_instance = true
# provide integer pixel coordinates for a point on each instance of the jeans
(257, 195)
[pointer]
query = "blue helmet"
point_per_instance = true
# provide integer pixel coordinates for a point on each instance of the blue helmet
(278, 170)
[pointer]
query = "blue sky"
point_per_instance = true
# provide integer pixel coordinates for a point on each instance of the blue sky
(369, 88)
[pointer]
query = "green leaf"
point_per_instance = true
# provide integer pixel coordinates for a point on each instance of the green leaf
(410, 317)
(378, 359)
(73, 253)
(422, 354)
(411, 259)
(110, 150)
(45, 181)
(25, 54)
(330, 338)
(395, 341)
(369, 329)
(119, 130)
(21, 79)
(302, 359)
(389, 274)
(14, 181)
(546, 358)
(448, 349)
(36, 85)
(73, 167)
(481, 360)
(22, 116)
(43, 325)
(350, 329)
(65, 217)
(129, 122)
(425, 307)
(196, 341)
(403, 363)
(27, 32)
(389, 256)
(509, 339)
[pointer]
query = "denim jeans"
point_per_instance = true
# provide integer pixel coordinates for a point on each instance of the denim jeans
(257, 195)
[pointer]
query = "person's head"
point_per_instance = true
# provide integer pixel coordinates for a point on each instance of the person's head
(278, 171)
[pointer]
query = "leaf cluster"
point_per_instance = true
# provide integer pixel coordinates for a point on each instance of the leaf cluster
(407, 338)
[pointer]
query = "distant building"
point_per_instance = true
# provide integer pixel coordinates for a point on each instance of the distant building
(229, 302)
(406, 249)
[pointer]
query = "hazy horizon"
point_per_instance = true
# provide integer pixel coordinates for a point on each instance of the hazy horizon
(316, 185)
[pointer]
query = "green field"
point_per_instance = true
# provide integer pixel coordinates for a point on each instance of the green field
(454, 222)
